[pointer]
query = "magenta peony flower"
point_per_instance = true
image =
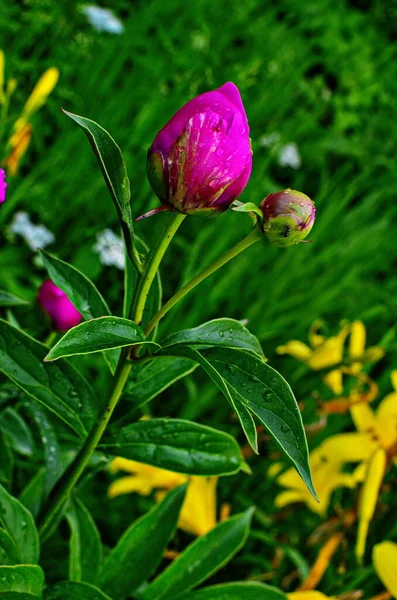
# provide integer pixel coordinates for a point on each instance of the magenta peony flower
(201, 160)
(58, 307)
(3, 186)
(288, 217)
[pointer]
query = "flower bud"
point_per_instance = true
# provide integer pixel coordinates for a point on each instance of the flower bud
(58, 307)
(288, 216)
(201, 160)
(3, 186)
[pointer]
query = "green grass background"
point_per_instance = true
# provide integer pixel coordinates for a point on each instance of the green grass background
(322, 74)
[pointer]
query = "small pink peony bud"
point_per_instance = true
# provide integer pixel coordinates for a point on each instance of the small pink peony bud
(288, 217)
(3, 186)
(201, 160)
(58, 307)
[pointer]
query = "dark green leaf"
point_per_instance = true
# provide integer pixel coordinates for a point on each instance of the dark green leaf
(49, 440)
(85, 544)
(244, 415)
(6, 461)
(104, 333)
(176, 445)
(201, 559)
(17, 431)
(19, 524)
(22, 582)
(8, 299)
(140, 549)
(59, 387)
(32, 495)
(246, 590)
(8, 551)
(114, 172)
(81, 292)
(248, 382)
(219, 332)
(147, 380)
(71, 590)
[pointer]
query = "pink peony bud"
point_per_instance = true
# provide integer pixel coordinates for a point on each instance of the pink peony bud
(58, 307)
(288, 217)
(3, 186)
(201, 160)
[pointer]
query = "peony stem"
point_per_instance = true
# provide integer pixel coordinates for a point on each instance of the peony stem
(253, 237)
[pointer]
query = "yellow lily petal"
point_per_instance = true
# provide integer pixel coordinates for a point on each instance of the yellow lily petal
(368, 498)
(315, 338)
(296, 349)
(308, 595)
(330, 353)
(289, 497)
(158, 478)
(386, 421)
(198, 514)
(334, 380)
(347, 447)
(127, 485)
(19, 144)
(38, 97)
(363, 417)
(357, 339)
(384, 557)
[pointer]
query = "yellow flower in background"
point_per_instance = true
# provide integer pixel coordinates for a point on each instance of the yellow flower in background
(384, 557)
(308, 595)
(22, 128)
(198, 514)
(327, 463)
(324, 353)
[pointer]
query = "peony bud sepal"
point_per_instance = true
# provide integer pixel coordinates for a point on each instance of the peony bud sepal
(287, 217)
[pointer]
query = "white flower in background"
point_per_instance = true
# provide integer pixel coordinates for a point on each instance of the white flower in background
(289, 156)
(110, 248)
(36, 236)
(266, 141)
(102, 19)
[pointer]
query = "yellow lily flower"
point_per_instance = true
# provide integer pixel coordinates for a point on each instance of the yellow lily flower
(22, 129)
(384, 557)
(308, 595)
(326, 463)
(198, 514)
(328, 352)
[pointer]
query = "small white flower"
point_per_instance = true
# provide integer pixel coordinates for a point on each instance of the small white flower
(269, 140)
(110, 248)
(289, 156)
(102, 19)
(36, 236)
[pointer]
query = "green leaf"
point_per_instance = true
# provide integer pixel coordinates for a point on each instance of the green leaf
(33, 493)
(71, 590)
(8, 299)
(85, 544)
(81, 292)
(140, 549)
(17, 431)
(201, 559)
(104, 333)
(147, 380)
(8, 551)
(248, 382)
(176, 445)
(114, 172)
(51, 447)
(60, 388)
(246, 590)
(19, 524)
(22, 582)
(219, 332)
(6, 461)
(244, 415)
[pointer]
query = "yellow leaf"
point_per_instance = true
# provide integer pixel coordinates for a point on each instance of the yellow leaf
(384, 557)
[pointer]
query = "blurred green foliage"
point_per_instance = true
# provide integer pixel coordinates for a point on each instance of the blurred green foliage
(321, 74)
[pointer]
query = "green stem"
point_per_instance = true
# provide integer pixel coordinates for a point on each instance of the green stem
(66, 483)
(171, 222)
(50, 339)
(69, 479)
(253, 237)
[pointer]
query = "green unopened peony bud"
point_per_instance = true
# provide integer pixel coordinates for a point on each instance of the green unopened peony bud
(288, 216)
